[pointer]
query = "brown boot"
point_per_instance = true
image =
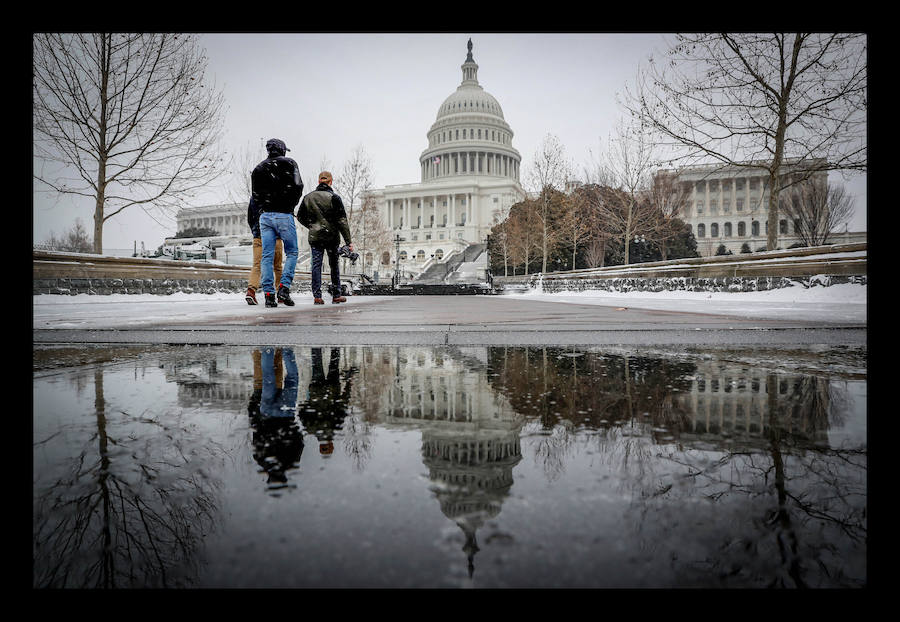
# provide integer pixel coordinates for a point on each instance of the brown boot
(251, 296)
(338, 299)
(318, 301)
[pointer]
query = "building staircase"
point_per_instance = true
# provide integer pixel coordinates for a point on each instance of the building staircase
(439, 273)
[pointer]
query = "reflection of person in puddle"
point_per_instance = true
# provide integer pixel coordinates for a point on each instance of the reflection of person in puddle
(277, 440)
(325, 409)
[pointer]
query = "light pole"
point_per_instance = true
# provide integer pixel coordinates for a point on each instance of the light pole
(396, 279)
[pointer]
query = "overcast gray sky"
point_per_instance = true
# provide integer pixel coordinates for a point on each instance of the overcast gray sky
(323, 94)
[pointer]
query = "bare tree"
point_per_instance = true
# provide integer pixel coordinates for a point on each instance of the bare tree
(355, 179)
(500, 241)
(550, 171)
(75, 240)
(624, 174)
(369, 230)
(595, 253)
(817, 209)
(129, 117)
(574, 224)
(761, 101)
(240, 166)
(523, 233)
(668, 197)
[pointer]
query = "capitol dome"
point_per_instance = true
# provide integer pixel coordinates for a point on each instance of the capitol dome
(469, 135)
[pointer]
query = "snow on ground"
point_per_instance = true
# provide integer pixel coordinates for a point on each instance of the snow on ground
(836, 303)
(845, 304)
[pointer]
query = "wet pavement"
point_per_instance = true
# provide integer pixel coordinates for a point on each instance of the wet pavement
(425, 320)
(710, 463)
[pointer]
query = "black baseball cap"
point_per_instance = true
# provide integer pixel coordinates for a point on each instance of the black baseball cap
(275, 144)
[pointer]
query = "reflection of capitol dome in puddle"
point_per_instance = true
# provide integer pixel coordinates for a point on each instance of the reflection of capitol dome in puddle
(471, 474)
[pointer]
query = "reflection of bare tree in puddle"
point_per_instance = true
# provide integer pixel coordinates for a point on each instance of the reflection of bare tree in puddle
(131, 509)
(552, 448)
(788, 509)
(797, 506)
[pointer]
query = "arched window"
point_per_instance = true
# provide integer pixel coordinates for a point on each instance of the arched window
(754, 228)
(782, 227)
(727, 230)
(402, 255)
(439, 254)
(714, 230)
(742, 229)
(420, 256)
(701, 230)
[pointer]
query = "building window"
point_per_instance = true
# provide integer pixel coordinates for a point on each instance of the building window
(738, 184)
(739, 203)
(726, 206)
(699, 207)
(712, 206)
(754, 183)
(699, 187)
(701, 230)
(479, 134)
(714, 230)
(727, 230)
(742, 229)
(726, 184)
(439, 254)
(420, 256)
(782, 227)
(385, 258)
(754, 228)
(402, 255)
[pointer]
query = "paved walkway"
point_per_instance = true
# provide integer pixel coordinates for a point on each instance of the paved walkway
(426, 320)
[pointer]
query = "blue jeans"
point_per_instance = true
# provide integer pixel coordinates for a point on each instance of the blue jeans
(272, 226)
(278, 401)
(317, 256)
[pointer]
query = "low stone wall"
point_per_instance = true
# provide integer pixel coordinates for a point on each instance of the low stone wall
(163, 286)
(72, 273)
(687, 284)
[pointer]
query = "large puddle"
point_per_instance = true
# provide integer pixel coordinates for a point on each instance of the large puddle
(449, 467)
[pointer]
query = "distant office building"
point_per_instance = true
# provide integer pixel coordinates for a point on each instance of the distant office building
(728, 205)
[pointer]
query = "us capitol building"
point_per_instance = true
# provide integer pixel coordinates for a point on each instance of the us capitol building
(469, 180)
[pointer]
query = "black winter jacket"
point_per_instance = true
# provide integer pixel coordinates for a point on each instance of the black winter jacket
(276, 186)
(322, 212)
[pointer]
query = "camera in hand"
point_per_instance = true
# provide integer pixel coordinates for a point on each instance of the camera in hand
(344, 251)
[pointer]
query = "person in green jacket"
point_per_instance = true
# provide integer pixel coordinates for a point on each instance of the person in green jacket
(322, 212)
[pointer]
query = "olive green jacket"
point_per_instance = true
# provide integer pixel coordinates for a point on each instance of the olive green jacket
(322, 212)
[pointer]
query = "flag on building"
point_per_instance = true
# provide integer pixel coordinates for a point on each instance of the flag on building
(437, 159)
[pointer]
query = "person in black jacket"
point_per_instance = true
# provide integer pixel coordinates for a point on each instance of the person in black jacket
(322, 212)
(276, 190)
